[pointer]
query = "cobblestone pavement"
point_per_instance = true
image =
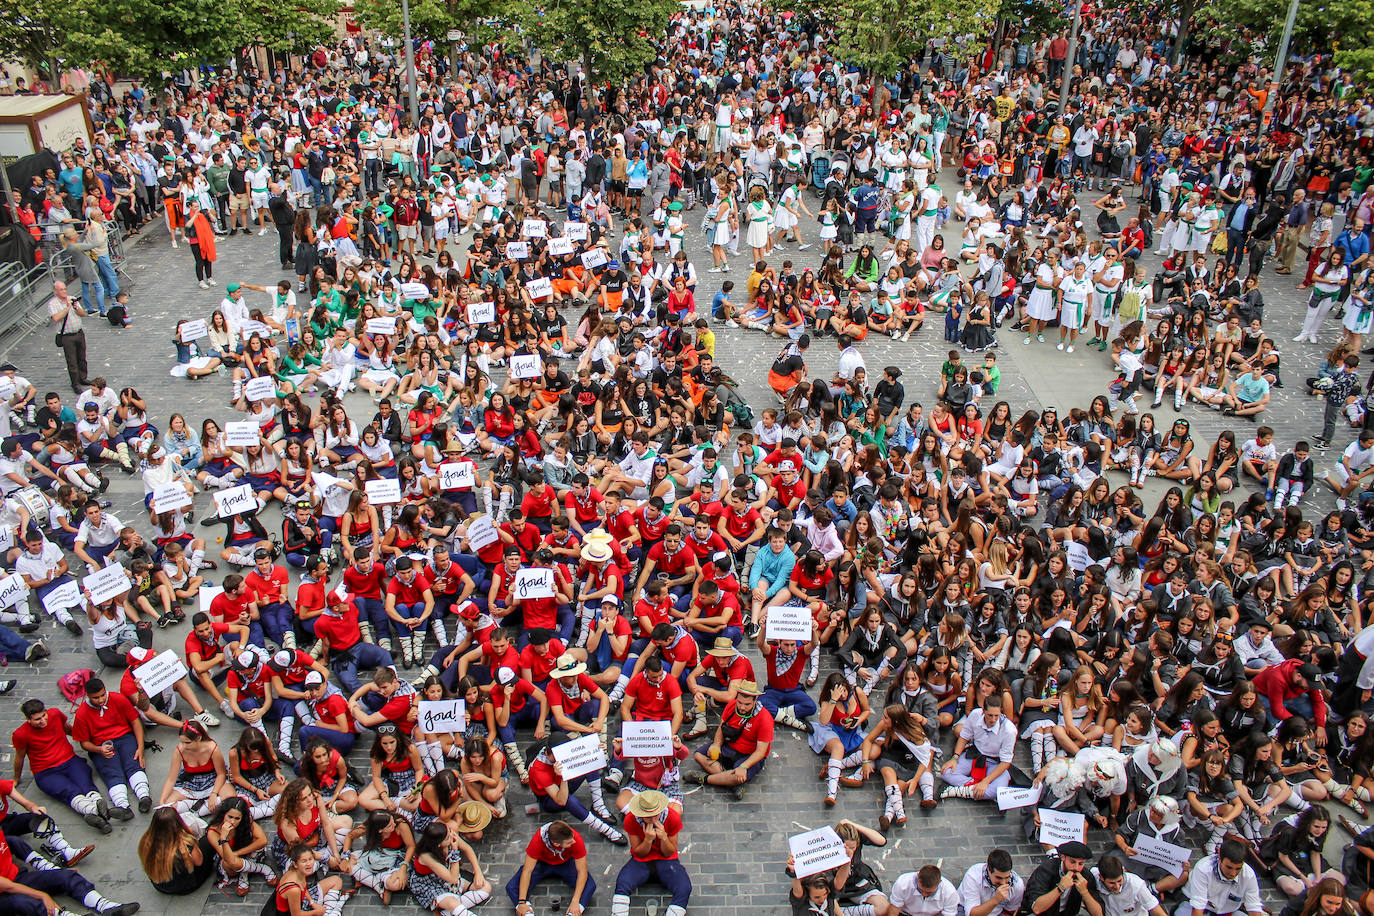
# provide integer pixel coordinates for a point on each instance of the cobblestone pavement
(734, 850)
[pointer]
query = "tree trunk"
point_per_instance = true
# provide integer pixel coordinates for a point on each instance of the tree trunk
(1185, 16)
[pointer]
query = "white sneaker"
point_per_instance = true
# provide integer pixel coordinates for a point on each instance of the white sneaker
(1026, 342)
(731, 323)
(1060, 345)
(1299, 339)
(801, 247)
(206, 719)
(174, 243)
(1342, 504)
(262, 231)
(1069, 348)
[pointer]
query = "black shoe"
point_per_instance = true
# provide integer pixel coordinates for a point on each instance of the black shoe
(151, 747)
(28, 627)
(124, 909)
(164, 621)
(99, 823)
(145, 805)
(36, 651)
(123, 814)
(104, 485)
(7, 686)
(73, 627)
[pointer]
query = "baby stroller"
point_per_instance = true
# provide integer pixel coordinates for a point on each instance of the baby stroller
(820, 171)
(840, 160)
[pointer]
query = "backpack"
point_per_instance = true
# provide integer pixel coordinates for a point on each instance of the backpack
(72, 685)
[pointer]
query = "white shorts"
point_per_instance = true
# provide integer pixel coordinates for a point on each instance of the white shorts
(260, 199)
(408, 232)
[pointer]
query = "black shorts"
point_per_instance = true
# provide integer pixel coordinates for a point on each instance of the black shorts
(615, 186)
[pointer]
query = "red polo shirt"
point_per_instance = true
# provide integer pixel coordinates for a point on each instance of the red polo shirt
(541, 665)
(540, 849)
(47, 748)
(759, 729)
(113, 720)
(653, 702)
(412, 593)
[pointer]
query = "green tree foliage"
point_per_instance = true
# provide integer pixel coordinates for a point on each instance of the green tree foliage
(144, 38)
(32, 31)
(611, 38)
(1253, 28)
(883, 36)
(430, 20)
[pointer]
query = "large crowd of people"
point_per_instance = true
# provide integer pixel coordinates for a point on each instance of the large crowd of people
(559, 508)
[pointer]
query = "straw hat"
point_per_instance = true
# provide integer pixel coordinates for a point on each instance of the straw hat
(568, 666)
(749, 688)
(649, 803)
(475, 816)
(596, 552)
(722, 647)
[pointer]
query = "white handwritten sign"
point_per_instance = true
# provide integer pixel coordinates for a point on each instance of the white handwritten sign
(575, 230)
(208, 594)
(1164, 855)
(381, 325)
(789, 621)
(447, 717)
(816, 851)
(526, 366)
(534, 229)
(533, 582)
(261, 388)
(481, 532)
(457, 475)
(580, 756)
(384, 492)
(1060, 827)
(481, 312)
(194, 330)
(235, 500)
(241, 433)
(13, 590)
(168, 497)
(646, 739)
(539, 288)
(250, 329)
(1078, 556)
(414, 291)
(594, 258)
(63, 598)
(1013, 797)
(106, 583)
(517, 251)
(159, 673)
(560, 246)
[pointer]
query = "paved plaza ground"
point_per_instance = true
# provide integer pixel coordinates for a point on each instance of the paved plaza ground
(733, 850)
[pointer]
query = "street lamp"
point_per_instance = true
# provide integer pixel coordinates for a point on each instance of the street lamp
(1269, 100)
(411, 88)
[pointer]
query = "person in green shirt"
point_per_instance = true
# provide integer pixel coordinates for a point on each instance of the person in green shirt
(218, 177)
(992, 375)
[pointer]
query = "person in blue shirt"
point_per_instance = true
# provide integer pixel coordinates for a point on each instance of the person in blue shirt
(1248, 394)
(71, 178)
(865, 198)
(1355, 244)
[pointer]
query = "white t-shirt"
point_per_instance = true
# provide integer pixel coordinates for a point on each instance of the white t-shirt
(909, 900)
